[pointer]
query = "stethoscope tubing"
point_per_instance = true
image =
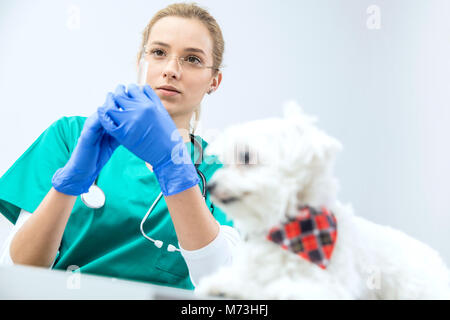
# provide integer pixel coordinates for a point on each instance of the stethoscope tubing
(159, 243)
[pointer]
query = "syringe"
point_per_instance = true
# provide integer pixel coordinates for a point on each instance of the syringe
(142, 70)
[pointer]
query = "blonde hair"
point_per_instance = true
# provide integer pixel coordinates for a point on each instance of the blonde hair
(191, 11)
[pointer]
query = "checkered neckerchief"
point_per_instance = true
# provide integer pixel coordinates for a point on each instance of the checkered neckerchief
(311, 235)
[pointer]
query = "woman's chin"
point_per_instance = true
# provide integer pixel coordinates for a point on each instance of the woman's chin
(171, 108)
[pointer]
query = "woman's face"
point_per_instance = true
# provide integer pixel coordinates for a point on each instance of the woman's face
(178, 34)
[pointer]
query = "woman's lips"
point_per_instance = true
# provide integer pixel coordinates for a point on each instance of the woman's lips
(168, 93)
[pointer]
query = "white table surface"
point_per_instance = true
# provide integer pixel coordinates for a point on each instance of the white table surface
(25, 282)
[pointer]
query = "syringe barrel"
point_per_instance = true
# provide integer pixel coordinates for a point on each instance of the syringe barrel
(142, 72)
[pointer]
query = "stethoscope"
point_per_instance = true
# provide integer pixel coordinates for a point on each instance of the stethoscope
(95, 198)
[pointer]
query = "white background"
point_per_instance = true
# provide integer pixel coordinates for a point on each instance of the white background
(383, 92)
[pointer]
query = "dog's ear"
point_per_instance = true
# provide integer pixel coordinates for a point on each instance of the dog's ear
(327, 149)
(313, 146)
(292, 111)
(308, 156)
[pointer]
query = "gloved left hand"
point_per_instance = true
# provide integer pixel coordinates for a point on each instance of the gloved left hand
(94, 148)
(145, 128)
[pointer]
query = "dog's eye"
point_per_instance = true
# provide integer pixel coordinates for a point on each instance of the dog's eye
(245, 157)
(242, 157)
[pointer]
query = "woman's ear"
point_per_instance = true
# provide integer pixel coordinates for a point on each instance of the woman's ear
(215, 82)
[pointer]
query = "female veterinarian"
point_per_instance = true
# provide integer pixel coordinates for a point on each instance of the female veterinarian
(126, 149)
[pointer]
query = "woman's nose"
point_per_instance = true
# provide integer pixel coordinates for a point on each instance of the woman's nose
(173, 68)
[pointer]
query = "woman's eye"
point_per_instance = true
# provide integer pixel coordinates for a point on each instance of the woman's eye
(193, 59)
(155, 52)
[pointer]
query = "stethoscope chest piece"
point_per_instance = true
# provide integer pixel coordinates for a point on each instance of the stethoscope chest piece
(94, 198)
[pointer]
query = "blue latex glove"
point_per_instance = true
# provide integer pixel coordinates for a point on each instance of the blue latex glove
(93, 150)
(145, 128)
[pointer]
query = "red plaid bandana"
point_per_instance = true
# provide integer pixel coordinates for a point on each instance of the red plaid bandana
(311, 235)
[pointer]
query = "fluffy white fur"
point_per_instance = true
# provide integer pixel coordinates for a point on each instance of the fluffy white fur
(289, 163)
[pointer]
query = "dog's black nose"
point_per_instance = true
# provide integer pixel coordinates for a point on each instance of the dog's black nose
(211, 186)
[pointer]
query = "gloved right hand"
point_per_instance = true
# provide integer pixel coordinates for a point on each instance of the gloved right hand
(94, 148)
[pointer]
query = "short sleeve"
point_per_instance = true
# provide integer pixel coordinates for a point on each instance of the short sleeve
(217, 253)
(5, 256)
(28, 180)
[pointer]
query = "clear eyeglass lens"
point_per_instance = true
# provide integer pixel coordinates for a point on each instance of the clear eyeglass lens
(187, 62)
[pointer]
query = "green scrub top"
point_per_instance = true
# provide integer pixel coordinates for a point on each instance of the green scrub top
(105, 241)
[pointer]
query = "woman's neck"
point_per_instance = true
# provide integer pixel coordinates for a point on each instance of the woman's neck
(183, 128)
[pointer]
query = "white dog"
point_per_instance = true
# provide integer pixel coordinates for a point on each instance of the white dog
(277, 183)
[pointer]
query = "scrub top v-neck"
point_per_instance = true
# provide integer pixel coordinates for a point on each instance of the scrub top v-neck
(105, 241)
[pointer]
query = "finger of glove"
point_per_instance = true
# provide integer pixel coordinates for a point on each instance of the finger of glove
(108, 144)
(108, 124)
(92, 129)
(135, 92)
(120, 90)
(104, 112)
(150, 93)
(112, 142)
(109, 103)
(117, 115)
(126, 103)
(92, 123)
(111, 124)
